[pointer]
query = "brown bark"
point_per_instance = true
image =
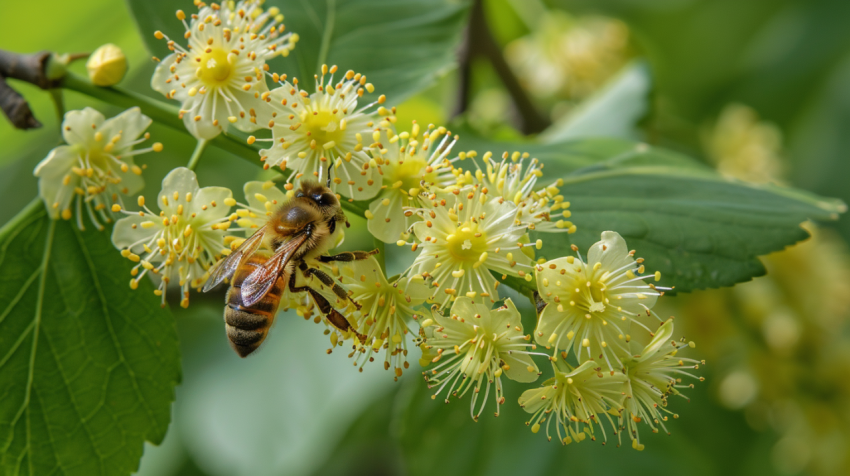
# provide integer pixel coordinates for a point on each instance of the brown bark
(32, 68)
(16, 107)
(479, 41)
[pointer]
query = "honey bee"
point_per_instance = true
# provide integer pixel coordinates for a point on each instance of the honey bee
(299, 232)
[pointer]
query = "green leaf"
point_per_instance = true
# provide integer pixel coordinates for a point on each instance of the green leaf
(614, 111)
(401, 46)
(87, 366)
(699, 229)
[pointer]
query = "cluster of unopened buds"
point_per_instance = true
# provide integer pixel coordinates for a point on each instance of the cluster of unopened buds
(468, 220)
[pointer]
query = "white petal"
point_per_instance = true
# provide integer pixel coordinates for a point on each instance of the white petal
(248, 101)
(416, 290)
(161, 75)
(532, 400)
(131, 182)
(213, 198)
(518, 367)
(549, 321)
(180, 180)
(77, 126)
(611, 251)
(129, 231)
(273, 194)
(388, 222)
(199, 106)
(663, 336)
(130, 124)
(51, 171)
(507, 316)
(365, 186)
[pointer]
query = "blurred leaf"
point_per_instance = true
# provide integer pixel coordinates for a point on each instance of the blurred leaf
(819, 142)
(276, 412)
(562, 158)
(401, 46)
(430, 437)
(368, 444)
(696, 227)
(88, 367)
(614, 111)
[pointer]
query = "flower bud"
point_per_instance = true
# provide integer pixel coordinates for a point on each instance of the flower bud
(107, 65)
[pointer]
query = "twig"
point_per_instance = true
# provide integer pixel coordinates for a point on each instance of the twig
(480, 42)
(464, 69)
(196, 154)
(16, 107)
(58, 103)
(381, 256)
(34, 69)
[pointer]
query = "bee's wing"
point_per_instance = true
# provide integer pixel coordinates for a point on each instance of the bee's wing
(258, 283)
(227, 266)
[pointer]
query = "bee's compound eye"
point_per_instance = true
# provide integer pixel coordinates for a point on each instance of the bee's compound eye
(327, 198)
(320, 199)
(299, 194)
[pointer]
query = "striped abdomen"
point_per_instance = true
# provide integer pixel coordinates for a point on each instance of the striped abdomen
(247, 327)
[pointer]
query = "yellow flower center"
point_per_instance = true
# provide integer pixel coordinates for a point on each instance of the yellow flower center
(410, 173)
(590, 296)
(214, 69)
(323, 126)
(467, 243)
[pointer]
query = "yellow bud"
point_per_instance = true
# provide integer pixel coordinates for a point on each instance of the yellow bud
(107, 65)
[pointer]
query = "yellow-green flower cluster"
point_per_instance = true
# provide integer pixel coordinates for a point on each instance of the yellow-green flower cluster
(470, 228)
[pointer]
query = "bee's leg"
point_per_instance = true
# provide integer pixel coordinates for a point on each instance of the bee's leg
(334, 317)
(348, 256)
(329, 281)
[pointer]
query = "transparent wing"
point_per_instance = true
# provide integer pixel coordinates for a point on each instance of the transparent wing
(258, 283)
(227, 266)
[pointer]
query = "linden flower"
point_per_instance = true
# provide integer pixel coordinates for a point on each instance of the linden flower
(652, 376)
(476, 346)
(96, 167)
(405, 163)
(590, 305)
(312, 131)
(575, 399)
(465, 234)
(219, 76)
(570, 56)
(515, 180)
(182, 241)
(386, 313)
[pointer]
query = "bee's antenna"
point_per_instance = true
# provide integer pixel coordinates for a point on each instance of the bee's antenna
(329, 175)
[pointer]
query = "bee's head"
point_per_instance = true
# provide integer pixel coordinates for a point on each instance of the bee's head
(321, 196)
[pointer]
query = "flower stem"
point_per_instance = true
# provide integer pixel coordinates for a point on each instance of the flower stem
(58, 104)
(196, 155)
(382, 261)
(159, 111)
(330, 19)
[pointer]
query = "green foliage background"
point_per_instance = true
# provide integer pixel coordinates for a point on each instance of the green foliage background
(292, 409)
